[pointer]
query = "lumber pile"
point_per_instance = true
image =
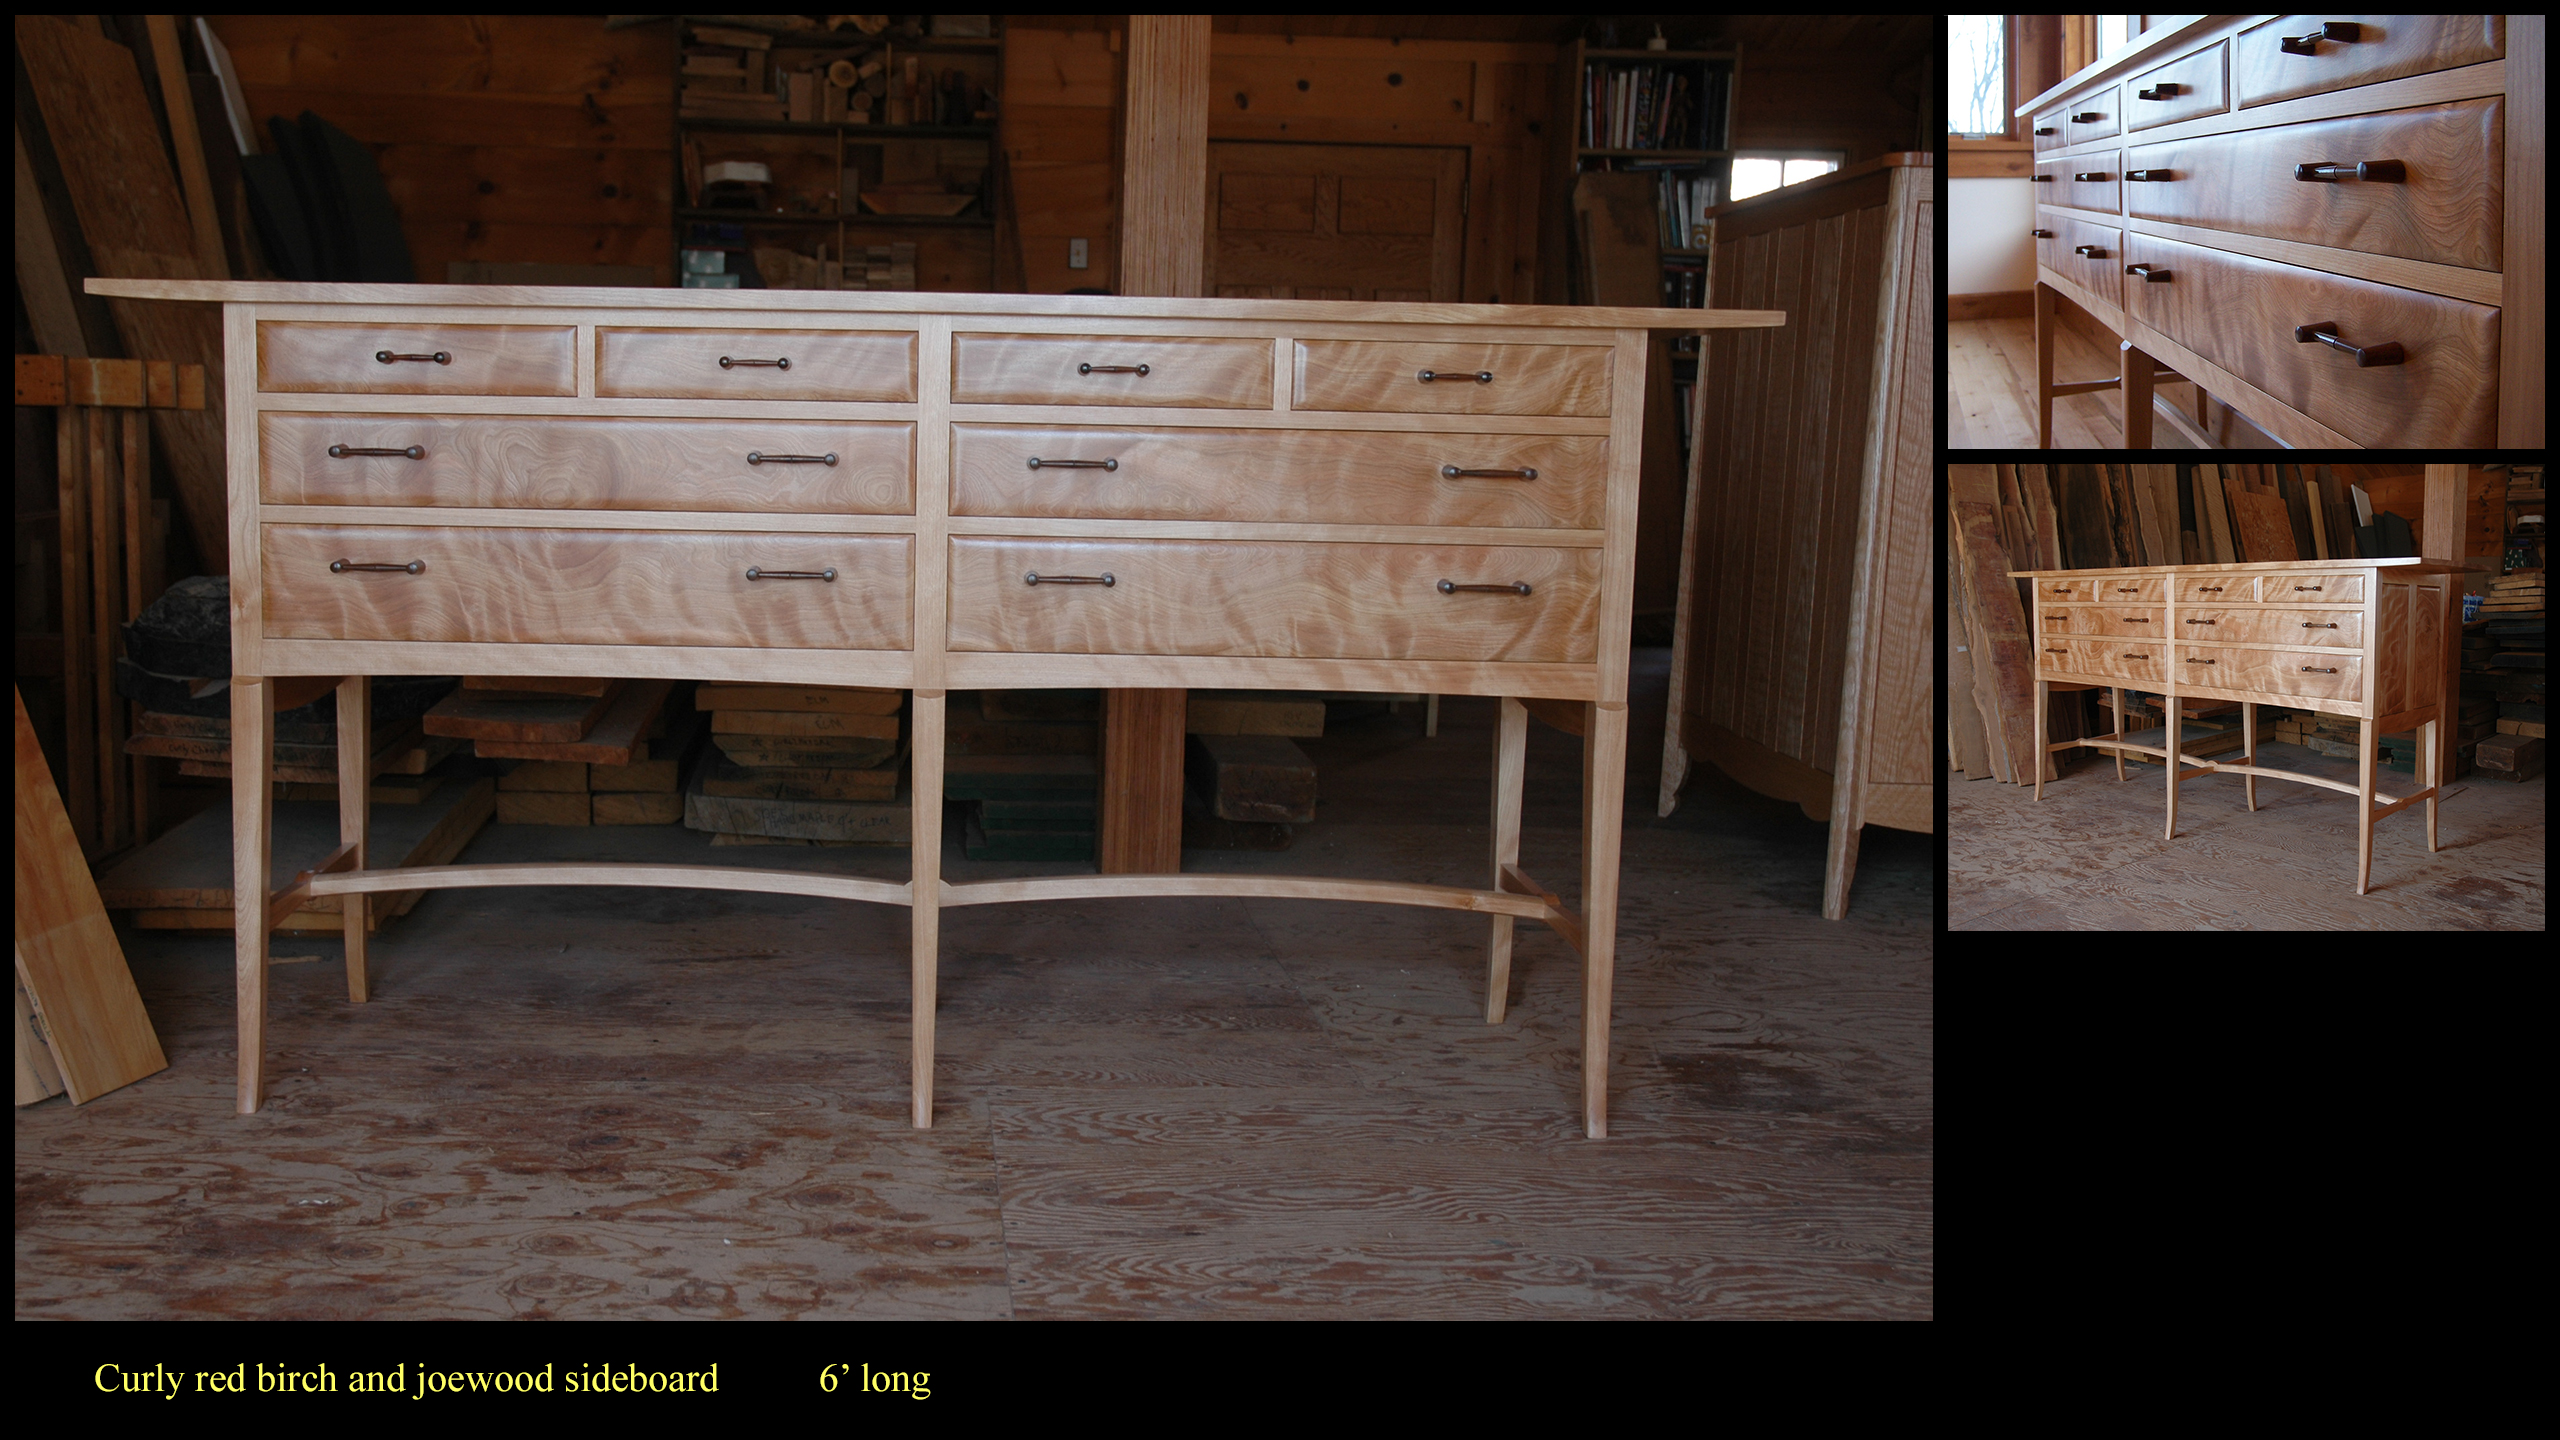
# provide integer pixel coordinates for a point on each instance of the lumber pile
(797, 764)
(1248, 785)
(587, 750)
(1022, 762)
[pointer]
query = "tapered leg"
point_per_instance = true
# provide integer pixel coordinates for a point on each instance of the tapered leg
(2429, 737)
(1604, 784)
(2249, 750)
(355, 782)
(253, 723)
(2174, 733)
(2115, 697)
(925, 896)
(2045, 314)
(2041, 753)
(2364, 804)
(1510, 762)
(2135, 382)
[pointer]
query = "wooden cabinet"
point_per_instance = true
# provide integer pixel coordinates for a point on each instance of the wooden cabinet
(2343, 243)
(929, 493)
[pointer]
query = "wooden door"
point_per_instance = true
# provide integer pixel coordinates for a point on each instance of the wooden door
(1335, 222)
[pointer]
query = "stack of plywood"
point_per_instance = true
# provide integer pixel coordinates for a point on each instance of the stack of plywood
(801, 763)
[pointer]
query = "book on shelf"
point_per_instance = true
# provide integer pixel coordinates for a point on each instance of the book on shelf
(1654, 104)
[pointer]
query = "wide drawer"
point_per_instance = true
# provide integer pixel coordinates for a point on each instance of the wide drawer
(2084, 182)
(1310, 601)
(687, 364)
(2270, 672)
(2182, 89)
(2385, 47)
(820, 467)
(1439, 377)
(1321, 476)
(307, 356)
(2131, 658)
(595, 587)
(2244, 314)
(1189, 371)
(2334, 629)
(2448, 205)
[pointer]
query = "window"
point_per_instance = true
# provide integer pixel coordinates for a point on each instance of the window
(1753, 174)
(1977, 77)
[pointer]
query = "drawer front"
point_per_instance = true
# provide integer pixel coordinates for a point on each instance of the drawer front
(2312, 589)
(2064, 592)
(823, 364)
(308, 357)
(2271, 672)
(2333, 629)
(2385, 47)
(2091, 117)
(1311, 601)
(2101, 271)
(1386, 375)
(595, 587)
(2086, 182)
(1196, 372)
(1316, 476)
(637, 463)
(2449, 207)
(2128, 659)
(2224, 589)
(2129, 589)
(2148, 623)
(2183, 89)
(2243, 312)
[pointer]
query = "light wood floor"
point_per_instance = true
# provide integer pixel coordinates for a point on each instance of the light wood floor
(2091, 856)
(1991, 390)
(591, 1103)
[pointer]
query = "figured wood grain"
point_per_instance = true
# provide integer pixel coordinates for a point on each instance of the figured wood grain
(308, 356)
(492, 586)
(2387, 47)
(563, 463)
(1384, 375)
(1319, 476)
(684, 364)
(1183, 371)
(1293, 600)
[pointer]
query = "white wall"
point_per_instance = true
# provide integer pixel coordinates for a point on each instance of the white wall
(1988, 247)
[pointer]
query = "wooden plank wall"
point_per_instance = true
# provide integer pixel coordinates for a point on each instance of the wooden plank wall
(551, 136)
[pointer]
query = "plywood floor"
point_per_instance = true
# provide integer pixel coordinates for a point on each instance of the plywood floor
(622, 1103)
(1991, 391)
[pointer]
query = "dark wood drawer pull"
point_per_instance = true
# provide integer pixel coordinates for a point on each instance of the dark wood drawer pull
(341, 567)
(2150, 176)
(2164, 91)
(2041, 234)
(2194, 661)
(2336, 32)
(2044, 129)
(755, 572)
(2319, 669)
(341, 452)
(2094, 252)
(441, 357)
(1452, 472)
(2135, 655)
(2388, 170)
(2152, 273)
(727, 363)
(2326, 332)
(2298, 589)
(2089, 175)
(1516, 587)
(2309, 625)
(1111, 370)
(1481, 377)
(1038, 463)
(1106, 579)
(2199, 622)
(2088, 117)
(758, 457)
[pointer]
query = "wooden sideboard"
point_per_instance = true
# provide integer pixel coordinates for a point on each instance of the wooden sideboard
(932, 492)
(2334, 227)
(1801, 651)
(2361, 638)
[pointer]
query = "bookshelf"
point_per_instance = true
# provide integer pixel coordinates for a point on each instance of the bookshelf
(849, 158)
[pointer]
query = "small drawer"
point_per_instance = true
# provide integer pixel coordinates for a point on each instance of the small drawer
(2094, 116)
(2265, 67)
(2183, 89)
(2089, 256)
(810, 467)
(1195, 372)
(593, 587)
(1313, 476)
(2246, 315)
(1446, 378)
(2085, 182)
(2129, 589)
(2131, 658)
(300, 357)
(2224, 589)
(875, 365)
(2065, 592)
(2270, 672)
(2312, 589)
(1281, 599)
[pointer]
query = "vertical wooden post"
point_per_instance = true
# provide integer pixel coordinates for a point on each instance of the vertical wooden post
(1163, 191)
(2442, 525)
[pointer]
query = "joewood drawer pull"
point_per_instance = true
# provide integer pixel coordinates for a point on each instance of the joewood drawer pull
(2390, 170)
(2044, 129)
(441, 357)
(2041, 234)
(1481, 377)
(727, 363)
(2130, 655)
(2326, 332)
(2298, 589)
(2150, 175)
(2199, 622)
(1516, 587)
(758, 457)
(2089, 175)
(1037, 463)
(1452, 472)
(2167, 89)
(2309, 625)
(341, 567)
(2319, 669)
(2094, 252)
(2194, 661)
(341, 452)
(2336, 32)
(2088, 117)
(2208, 589)
(2137, 619)
(759, 573)
(1106, 579)
(2152, 273)
(1111, 369)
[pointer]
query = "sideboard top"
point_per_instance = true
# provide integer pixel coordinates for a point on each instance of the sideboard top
(2410, 564)
(927, 302)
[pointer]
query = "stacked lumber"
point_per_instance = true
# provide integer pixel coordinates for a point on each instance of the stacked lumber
(1022, 762)
(1248, 785)
(578, 740)
(2504, 664)
(801, 763)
